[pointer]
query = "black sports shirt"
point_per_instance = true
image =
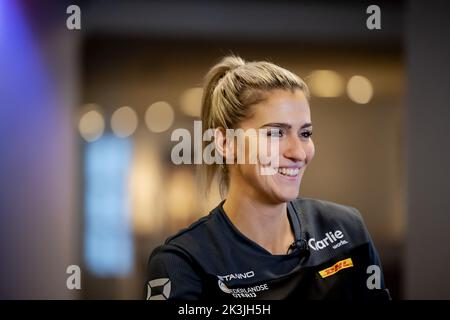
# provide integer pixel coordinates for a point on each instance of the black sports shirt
(333, 258)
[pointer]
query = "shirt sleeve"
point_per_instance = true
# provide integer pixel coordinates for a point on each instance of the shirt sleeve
(171, 276)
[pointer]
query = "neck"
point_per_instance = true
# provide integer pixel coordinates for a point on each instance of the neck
(267, 224)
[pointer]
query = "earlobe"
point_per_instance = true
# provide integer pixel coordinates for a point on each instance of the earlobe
(224, 147)
(220, 141)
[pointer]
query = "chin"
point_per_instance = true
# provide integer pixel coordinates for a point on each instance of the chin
(290, 196)
(281, 193)
(282, 196)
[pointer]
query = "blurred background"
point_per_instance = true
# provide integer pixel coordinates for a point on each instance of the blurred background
(86, 118)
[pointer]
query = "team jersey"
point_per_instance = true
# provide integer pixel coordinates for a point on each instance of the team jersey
(333, 257)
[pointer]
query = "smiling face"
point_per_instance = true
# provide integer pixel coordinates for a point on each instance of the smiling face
(286, 117)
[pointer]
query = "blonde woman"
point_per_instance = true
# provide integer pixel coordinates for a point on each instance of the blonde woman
(262, 241)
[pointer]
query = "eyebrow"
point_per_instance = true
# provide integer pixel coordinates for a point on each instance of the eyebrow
(285, 125)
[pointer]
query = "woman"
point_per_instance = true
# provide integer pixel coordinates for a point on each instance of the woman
(262, 241)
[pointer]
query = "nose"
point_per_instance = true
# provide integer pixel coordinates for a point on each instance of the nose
(294, 149)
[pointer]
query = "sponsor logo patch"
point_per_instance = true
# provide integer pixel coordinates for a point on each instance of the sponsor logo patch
(343, 264)
(232, 276)
(158, 289)
(334, 239)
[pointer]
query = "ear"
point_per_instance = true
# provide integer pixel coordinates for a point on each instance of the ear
(223, 146)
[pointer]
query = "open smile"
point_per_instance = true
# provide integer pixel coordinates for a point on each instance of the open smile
(288, 173)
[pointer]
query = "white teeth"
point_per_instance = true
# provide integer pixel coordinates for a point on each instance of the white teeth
(288, 171)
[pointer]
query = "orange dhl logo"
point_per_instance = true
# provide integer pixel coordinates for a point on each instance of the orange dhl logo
(343, 264)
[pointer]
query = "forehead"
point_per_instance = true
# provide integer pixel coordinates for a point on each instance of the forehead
(281, 106)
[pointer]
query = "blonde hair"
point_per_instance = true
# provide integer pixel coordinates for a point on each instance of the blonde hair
(231, 87)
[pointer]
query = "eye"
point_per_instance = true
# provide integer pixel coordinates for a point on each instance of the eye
(306, 134)
(276, 132)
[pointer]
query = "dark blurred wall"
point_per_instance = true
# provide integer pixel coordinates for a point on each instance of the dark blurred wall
(427, 260)
(38, 89)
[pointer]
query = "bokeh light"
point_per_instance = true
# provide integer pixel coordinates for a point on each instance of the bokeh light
(124, 122)
(159, 116)
(91, 125)
(326, 83)
(359, 89)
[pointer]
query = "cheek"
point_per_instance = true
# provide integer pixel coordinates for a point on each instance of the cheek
(310, 151)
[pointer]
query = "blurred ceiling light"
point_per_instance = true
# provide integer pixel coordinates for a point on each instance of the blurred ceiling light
(159, 116)
(181, 191)
(191, 102)
(326, 83)
(124, 122)
(91, 125)
(359, 89)
(146, 188)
